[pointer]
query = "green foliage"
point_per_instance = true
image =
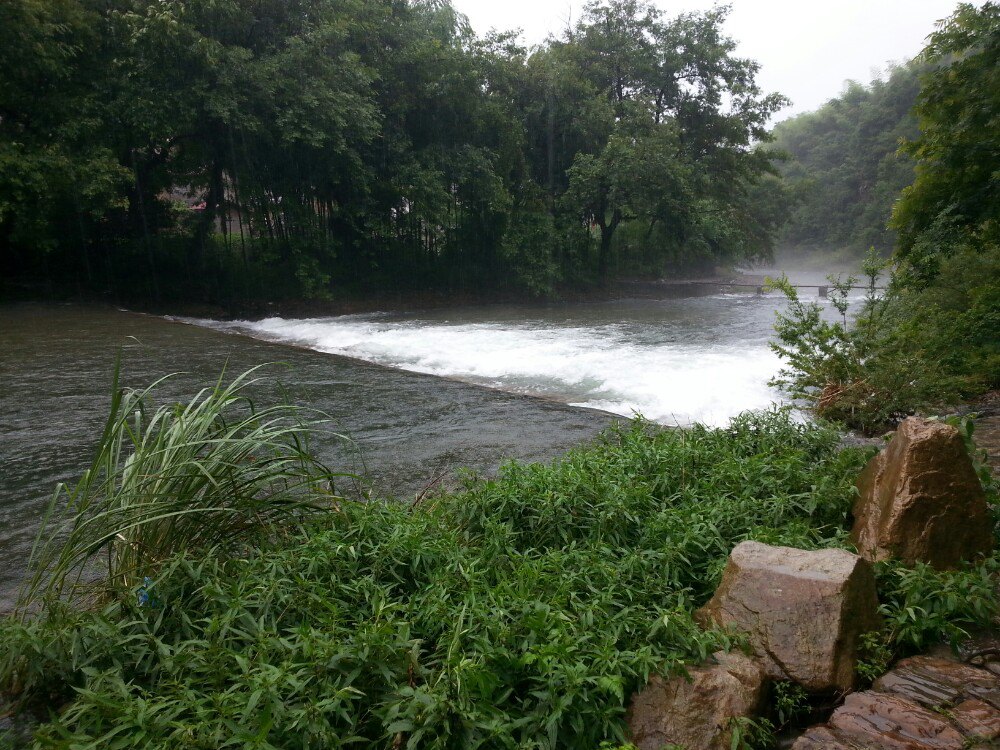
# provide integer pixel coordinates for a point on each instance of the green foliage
(875, 655)
(923, 606)
(668, 158)
(931, 338)
(864, 374)
(953, 202)
(530, 246)
(521, 612)
(164, 150)
(910, 348)
(952, 319)
(751, 734)
(789, 701)
(213, 473)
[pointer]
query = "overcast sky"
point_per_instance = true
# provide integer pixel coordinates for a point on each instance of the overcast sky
(806, 48)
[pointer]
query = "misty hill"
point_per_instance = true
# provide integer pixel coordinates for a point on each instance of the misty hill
(844, 171)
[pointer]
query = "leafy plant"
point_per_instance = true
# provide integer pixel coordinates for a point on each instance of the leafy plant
(864, 373)
(213, 473)
(923, 606)
(875, 655)
(523, 611)
(751, 734)
(790, 701)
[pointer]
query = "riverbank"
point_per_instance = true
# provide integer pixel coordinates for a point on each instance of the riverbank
(344, 302)
(525, 610)
(409, 430)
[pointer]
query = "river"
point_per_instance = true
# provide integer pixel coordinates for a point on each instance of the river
(421, 394)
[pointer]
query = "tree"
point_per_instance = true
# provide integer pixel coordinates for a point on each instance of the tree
(220, 149)
(56, 176)
(843, 172)
(955, 198)
(679, 146)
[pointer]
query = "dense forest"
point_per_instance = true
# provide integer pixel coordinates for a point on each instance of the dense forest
(241, 149)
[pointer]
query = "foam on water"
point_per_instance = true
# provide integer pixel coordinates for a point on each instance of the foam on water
(672, 377)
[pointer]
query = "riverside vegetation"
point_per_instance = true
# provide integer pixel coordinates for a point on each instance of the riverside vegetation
(215, 590)
(930, 337)
(235, 151)
(239, 153)
(233, 599)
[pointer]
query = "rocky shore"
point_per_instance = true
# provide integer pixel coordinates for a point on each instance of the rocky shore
(803, 615)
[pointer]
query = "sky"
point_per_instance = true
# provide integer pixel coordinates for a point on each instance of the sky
(807, 49)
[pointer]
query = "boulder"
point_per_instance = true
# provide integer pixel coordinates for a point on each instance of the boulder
(923, 703)
(696, 711)
(919, 500)
(977, 719)
(824, 738)
(804, 612)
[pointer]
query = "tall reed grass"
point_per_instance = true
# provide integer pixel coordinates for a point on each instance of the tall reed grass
(214, 472)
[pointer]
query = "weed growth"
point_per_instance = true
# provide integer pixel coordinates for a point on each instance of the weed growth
(923, 606)
(875, 656)
(521, 612)
(215, 472)
(913, 347)
(790, 702)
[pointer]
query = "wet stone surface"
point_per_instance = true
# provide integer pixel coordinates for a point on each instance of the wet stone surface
(803, 611)
(923, 703)
(920, 500)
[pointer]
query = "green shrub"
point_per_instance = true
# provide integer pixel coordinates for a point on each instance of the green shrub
(875, 655)
(789, 701)
(902, 352)
(751, 734)
(866, 373)
(521, 612)
(923, 606)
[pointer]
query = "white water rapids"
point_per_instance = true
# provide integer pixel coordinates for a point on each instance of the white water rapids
(676, 361)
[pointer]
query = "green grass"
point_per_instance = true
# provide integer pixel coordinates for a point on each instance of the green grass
(520, 613)
(215, 471)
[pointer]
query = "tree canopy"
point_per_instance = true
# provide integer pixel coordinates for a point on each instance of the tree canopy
(844, 170)
(240, 149)
(954, 201)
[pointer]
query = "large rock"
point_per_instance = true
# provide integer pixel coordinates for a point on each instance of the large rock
(977, 719)
(923, 703)
(921, 501)
(804, 612)
(697, 711)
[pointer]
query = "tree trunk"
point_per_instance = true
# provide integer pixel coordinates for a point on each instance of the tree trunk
(607, 232)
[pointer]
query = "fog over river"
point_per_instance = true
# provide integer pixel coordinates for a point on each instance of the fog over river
(408, 388)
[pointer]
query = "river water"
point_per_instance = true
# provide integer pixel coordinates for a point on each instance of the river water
(677, 361)
(420, 394)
